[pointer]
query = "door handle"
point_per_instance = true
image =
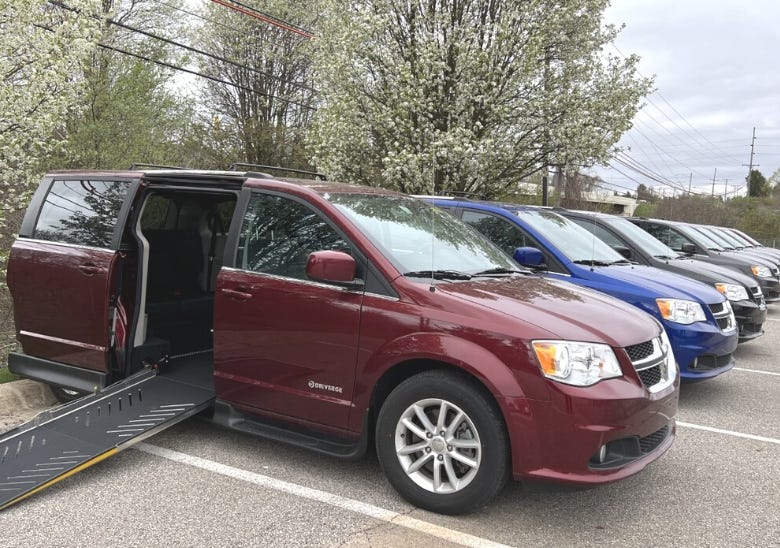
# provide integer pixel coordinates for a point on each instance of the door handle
(237, 294)
(90, 269)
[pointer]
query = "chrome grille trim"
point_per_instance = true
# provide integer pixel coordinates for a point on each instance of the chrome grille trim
(653, 370)
(724, 316)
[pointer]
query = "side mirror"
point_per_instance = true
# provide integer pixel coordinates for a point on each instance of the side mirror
(689, 249)
(333, 267)
(528, 256)
(623, 250)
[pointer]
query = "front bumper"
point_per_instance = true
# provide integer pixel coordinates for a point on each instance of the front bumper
(770, 287)
(702, 350)
(558, 439)
(750, 319)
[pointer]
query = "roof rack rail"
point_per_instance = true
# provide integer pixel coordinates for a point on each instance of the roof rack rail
(316, 175)
(461, 194)
(154, 166)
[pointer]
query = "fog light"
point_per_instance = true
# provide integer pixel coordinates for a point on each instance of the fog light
(602, 454)
(695, 363)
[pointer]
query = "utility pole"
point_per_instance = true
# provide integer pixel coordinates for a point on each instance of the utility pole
(750, 166)
(690, 180)
(713, 182)
(752, 149)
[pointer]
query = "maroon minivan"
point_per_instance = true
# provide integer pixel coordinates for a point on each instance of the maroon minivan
(331, 316)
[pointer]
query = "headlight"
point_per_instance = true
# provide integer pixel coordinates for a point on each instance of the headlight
(576, 363)
(679, 311)
(761, 271)
(733, 292)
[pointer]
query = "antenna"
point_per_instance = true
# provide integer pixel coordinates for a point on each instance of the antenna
(433, 216)
(593, 243)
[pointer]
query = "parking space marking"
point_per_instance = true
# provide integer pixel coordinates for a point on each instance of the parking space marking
(757, 371)
(352, 505)
(727, 432)
(773, 319)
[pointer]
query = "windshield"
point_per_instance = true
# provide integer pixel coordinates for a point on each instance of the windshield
(576, 243)
(748, 237)
(715, 237)
(418, 237)
(744, 242)
(642, 239)
(705, 239)
(726, 236)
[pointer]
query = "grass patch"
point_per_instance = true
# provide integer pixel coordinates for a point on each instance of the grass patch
(7, 376)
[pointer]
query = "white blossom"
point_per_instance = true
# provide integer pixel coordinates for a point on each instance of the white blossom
(467, 95)
(41, 48)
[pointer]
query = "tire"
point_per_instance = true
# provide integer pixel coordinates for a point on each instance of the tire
(65, 395)
(472, 457)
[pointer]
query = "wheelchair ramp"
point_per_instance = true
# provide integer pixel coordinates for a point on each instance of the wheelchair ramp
(67, 439)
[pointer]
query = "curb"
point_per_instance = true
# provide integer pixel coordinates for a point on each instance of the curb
(21, 400)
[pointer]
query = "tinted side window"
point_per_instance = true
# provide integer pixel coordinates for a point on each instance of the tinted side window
(81, 212)
(667, 235)
(502, 233)
(278, 235)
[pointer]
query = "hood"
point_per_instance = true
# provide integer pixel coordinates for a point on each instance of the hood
(655, 283)
(561, 308)
(714, 273)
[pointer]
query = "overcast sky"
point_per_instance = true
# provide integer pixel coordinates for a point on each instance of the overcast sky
(716, 73)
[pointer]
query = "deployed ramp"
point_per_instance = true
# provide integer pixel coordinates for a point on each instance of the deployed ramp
(65, 440)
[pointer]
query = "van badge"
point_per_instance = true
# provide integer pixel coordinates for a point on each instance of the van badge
(328, 387)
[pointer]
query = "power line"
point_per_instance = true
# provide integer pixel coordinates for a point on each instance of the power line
(202, 75)
(707, 151)
(179, 68)
(205, 54)
(252, 12)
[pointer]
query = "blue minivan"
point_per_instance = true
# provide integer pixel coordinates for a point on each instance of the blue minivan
(698, 319)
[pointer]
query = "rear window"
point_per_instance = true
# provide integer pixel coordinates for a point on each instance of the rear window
(81, 212)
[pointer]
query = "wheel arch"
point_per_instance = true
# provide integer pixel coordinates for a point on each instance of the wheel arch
(404, 370)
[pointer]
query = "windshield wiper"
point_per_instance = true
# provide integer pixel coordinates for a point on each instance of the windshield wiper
(667, 257)
(499, 270)
(592, 262)
(621, 261)
(439, 274)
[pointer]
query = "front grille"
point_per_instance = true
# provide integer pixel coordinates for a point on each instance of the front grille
(751, 327)
(724, 317)
(651, 376)
(650, 364)
(758, 296)
(640, 351)
(649, 443)
(707, 363)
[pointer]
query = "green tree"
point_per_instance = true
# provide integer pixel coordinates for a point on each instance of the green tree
(262, 115)
(467, 95)
(758, 186)
(644, 193)
(128, 112)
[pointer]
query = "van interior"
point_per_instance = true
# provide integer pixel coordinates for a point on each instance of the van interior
(181, 236)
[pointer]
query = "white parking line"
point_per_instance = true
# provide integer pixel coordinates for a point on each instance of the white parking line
(757, 371)
(773, 319)
(727, 432)
(352, 505)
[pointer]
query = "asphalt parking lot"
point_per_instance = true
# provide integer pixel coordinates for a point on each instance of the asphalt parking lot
(200, 485)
